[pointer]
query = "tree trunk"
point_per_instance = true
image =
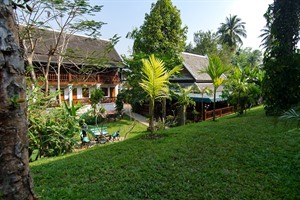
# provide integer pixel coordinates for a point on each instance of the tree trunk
(47, 75)
(164, 109)
(202, 108)
(65, 42)
(58, 83)
(214, 105)
(29, 53)
(31, 69)
(151, 122)
(15, 180)
(183, 114)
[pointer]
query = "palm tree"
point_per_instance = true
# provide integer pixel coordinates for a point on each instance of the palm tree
(183, 100)
(231, 32)
(203, 91)
(267, 37)
(240, 88)
(215, 70)
(155, 82)
(244, 86)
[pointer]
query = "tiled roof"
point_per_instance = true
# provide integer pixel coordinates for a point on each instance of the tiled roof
(209, 85)
(85, 45)
(194, 63)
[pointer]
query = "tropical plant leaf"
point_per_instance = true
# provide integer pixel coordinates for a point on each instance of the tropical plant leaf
(155, 81)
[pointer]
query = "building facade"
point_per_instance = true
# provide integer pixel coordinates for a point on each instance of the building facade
(76, 65)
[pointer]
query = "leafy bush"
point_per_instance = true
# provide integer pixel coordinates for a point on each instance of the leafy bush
(120, 101)
(96, 96)
(90, 118)
(243, 87)
(171, 121)
(50, 130)
(72, 109)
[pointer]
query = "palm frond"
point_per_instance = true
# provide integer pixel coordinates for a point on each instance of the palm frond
(290, 115)
(155, 79)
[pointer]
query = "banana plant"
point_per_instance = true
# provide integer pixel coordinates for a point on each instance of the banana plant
(72, 109)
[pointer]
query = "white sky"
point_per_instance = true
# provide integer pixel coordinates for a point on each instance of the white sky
(122, 16)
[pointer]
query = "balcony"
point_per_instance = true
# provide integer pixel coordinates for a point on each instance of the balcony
(87, 100)
(82, 79)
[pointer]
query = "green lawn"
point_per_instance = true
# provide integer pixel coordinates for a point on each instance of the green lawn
(125, 125)
(248, 157)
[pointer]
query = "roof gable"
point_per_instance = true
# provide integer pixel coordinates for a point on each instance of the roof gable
(83, 46)
(194, 63)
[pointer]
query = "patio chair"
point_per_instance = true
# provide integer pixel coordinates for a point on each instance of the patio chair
(84, 139)
(100, 134)
(116, 135)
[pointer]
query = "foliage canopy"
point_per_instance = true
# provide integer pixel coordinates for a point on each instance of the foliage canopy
(281, 60)
(161, 34)
(231, 32)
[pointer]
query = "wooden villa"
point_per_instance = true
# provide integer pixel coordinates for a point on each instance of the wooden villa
(190, 76)
(87, 64)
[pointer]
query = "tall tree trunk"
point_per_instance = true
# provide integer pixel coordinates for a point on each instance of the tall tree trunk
(214, 105)
(183, 114)
(202, 108)
(164, 109)
(65, 42)
(239, 104)
(29, 58)
(31, 69)
(58, 83)
(46, 74)
(151, 122)
(15, 180)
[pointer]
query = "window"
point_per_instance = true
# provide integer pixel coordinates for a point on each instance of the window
(105, 90)
(85, 92)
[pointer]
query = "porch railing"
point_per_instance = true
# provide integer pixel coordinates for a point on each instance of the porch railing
(87, 100)
(218, 112)
(69, 78)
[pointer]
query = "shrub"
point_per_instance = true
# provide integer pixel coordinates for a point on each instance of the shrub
(96, 96)
(50, 130)
(51, 133)
(90, 118)
(120, 101)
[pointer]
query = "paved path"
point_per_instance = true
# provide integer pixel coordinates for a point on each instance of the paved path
(108, 107)
(137, 117)
(111, 107)
(83, 109)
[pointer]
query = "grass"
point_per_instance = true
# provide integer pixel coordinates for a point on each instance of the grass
(125, 125)
(248, 157)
